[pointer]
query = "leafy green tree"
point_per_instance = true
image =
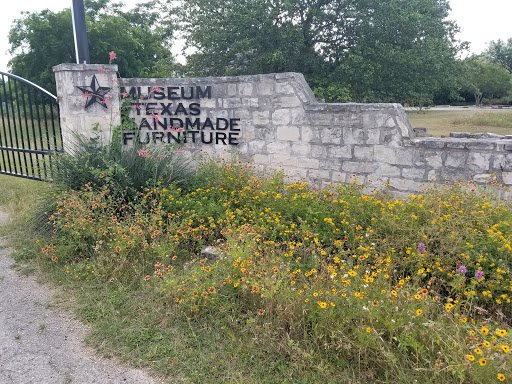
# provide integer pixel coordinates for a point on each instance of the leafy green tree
(348, 50)
(500, 52)
(43, 39)
(485, 79)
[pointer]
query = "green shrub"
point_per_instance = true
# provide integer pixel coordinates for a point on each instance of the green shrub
(125, 171)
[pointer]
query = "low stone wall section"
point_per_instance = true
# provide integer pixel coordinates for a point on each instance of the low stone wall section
(283, 126)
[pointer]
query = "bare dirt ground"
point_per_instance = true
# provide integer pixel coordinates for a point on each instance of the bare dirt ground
(39, 345)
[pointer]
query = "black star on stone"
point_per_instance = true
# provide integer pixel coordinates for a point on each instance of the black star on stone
(95, 93)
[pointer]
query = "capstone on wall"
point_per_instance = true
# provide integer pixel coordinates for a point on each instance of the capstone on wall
(275, 121)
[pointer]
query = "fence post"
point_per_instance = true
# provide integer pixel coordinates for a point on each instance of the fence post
(88, 97)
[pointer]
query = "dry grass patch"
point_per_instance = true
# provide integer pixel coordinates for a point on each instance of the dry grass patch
(441, 123)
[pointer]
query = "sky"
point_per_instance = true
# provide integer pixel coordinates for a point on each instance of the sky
(479, 21)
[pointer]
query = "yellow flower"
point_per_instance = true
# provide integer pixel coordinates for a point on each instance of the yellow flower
(449, 307)
(417, 297)
(368, 329)
(419, 312)
(482, 362)
(478, 351)
(501, 332)
(505, 348)
(470, 357)
(501, 377)
(487, 344)
(484, 330)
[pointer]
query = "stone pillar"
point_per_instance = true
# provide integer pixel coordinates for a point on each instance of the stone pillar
(88, 97)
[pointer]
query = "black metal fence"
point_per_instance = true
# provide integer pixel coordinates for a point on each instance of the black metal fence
(29, 128)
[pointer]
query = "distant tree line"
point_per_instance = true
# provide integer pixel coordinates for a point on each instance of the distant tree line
(349, 50)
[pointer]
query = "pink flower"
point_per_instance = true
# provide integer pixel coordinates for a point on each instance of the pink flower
(124, 94)
(143, 153)
(101, 69)
(157, 89)
(112, 55)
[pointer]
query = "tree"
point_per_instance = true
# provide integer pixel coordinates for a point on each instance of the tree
(347, 49)
(43, 39)
(500, 52)
(485, 79)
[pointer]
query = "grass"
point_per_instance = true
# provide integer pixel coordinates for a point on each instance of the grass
(441, 123)
(313, 285)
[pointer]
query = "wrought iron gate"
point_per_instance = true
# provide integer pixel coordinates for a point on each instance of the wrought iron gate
(29, 128)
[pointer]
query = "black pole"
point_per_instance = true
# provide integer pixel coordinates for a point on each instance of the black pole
(80, 32)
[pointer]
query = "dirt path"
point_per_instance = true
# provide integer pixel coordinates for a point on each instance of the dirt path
(39, 345)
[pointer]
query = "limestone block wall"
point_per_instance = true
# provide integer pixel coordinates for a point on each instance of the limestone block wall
(275, 121)
(77, 84)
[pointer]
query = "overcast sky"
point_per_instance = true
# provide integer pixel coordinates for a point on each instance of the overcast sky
(479, 21)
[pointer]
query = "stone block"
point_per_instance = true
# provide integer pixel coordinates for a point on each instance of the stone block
(374, 136)
(396, 156)
(482, 177)
(479, 162)
(284, 88)
(354, 136)
(321, 119)
(480, 146)
(231, 90)
(310, 135)
(287, 132)
(339, 177)
(257, 146)
(456, 159)
(278, 147)
(265, 133)
(245, 89)
(405, 185)
(284, 160)
(417, 174)
(301, 149)
(281, 117)
(308, 163)
(287, 102)
(358, 167)
(232, 102)
(456, 144)
(460, 135)
(265, 88)
(507, 178)
(319, 151)
(340, 151)
(250, 102)
(208, 103)
(331, 164)
(298, 116)
(330, 135)
(363, 153)
(261, 117)
(262, 159)
(384, 121)
(387, 170)
(314, 174)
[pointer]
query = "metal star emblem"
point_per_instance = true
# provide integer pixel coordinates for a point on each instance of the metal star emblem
(95, 93)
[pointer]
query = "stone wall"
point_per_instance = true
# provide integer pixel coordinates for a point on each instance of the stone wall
(275, 121)
(75, 118)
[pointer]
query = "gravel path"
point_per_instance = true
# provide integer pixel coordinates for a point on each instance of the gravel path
(39, 345)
